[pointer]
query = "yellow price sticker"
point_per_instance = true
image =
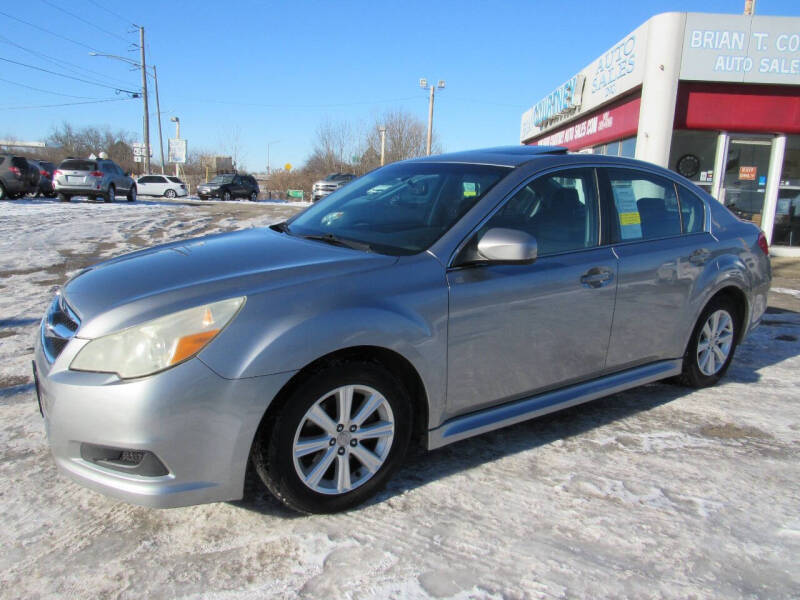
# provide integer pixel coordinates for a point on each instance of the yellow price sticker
(631, 218)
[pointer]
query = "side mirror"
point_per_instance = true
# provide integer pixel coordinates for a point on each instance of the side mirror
(508, 246)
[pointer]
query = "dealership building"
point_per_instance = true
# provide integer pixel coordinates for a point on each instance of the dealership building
(715, 97)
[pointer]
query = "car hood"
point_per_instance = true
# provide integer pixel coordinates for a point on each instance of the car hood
(150, 283)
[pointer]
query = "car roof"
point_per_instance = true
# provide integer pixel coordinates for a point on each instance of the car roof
(506, 156)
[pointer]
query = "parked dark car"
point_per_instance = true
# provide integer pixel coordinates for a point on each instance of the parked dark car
(430, 300)
(229, 186)
(14, 176)
(45, 187)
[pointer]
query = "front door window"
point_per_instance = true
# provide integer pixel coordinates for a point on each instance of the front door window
(745, 180)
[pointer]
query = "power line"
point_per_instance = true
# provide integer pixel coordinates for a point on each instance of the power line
(82, 20)
(64, 104)
(111, 12)
(60, 62)
(46, 91)
(116, 89)
(340, 105)
(58, 35)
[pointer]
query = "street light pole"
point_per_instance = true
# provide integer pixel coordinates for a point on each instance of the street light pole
(383, 144)
(146, 110)
(269, 167)
(158, 110)
(423, 83)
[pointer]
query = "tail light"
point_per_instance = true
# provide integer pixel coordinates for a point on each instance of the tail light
(15, 171)
(44, 173)
(57, 172)
(96, 173)
(762, 243)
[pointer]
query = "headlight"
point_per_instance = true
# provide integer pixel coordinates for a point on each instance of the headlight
(158, 344)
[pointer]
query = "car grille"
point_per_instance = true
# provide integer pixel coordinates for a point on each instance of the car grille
(58, 327)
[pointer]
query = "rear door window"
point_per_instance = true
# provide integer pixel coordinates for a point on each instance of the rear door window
(693, 211)
(646, 205)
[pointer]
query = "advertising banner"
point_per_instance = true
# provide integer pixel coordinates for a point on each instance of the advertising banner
(177, 151)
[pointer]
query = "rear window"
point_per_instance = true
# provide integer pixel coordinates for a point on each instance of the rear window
(75, 164)
(174, 180)
(20, 162)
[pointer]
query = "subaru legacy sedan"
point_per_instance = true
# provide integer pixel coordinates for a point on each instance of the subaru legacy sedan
(426, 302)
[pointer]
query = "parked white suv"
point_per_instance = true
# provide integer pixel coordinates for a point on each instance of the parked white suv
(161, 185)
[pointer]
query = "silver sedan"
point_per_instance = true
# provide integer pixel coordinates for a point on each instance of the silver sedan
(426, 302)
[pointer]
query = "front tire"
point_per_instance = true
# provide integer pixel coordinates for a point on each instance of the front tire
(226, 196)
(254, 197)
(336, 440)
(712, 345)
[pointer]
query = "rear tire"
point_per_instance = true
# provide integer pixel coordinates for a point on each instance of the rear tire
(63, 198)
(712, 344)
(3, 193)
(254, 197)
(110, 195)
(342, 463)
(132, 194)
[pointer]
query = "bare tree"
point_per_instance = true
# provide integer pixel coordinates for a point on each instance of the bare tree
(68, 141)
(406, 137)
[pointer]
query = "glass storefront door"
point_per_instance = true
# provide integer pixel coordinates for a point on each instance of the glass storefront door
(745, 182)
(786, 231)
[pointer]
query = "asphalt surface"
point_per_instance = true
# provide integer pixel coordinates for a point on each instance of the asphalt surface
(658, 492)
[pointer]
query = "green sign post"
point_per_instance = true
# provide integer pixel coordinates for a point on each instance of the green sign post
(295, 194)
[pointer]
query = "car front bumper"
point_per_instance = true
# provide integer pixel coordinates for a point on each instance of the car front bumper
(198, 425)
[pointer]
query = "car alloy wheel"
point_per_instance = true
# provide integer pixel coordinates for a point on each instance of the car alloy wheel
(253, 197)
(335, 440)
(715, 342)
(226, 196)
(343, 439)
(170, 193)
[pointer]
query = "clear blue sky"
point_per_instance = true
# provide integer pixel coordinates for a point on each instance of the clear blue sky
(275, 70)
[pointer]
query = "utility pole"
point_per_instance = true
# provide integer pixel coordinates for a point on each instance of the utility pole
(146, 109)
(383, 145)
(423, 83)
(749, 7)
(158, 110)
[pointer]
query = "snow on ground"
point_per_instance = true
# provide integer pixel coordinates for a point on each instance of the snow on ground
(658, 492)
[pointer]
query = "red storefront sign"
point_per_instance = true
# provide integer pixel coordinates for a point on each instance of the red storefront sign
(738, 107)
(617, 120)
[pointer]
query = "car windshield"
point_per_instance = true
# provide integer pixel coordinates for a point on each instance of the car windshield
(332, 177)
(400, 209)
(222, 179)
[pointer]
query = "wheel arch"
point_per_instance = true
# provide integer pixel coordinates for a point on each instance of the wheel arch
(392, 361)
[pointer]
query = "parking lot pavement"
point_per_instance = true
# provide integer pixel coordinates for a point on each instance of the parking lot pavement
(658, 492)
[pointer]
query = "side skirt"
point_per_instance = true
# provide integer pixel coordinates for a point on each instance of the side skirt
(466, 426)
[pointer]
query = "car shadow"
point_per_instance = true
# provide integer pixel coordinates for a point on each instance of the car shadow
(421, 467)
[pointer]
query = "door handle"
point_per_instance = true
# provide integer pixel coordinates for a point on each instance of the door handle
(699, 256)
(596, 277)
